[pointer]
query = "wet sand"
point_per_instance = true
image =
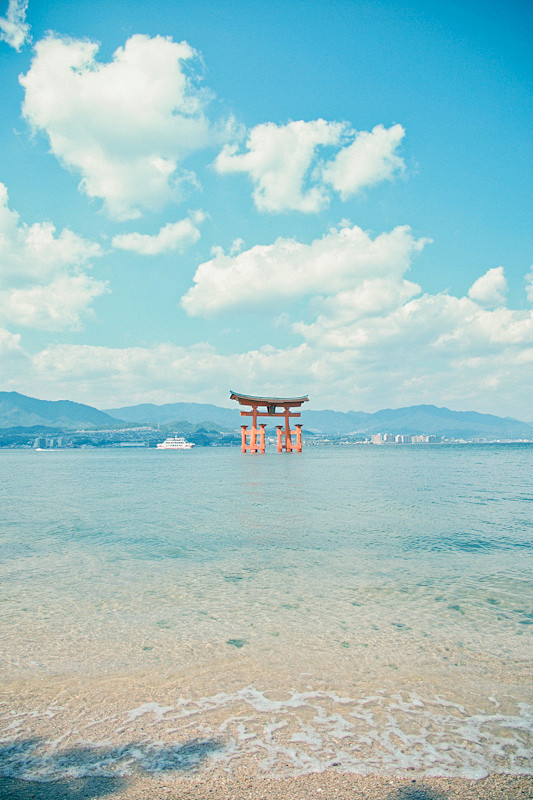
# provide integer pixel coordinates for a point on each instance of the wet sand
(326, 786)
(150, 742)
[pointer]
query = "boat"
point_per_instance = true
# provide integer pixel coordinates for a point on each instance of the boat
(175, 443)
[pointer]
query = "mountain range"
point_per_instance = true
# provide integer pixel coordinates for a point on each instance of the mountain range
(18, 410)
(410, 420)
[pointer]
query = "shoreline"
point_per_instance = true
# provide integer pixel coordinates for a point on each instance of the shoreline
(194, 734)
(327, 785)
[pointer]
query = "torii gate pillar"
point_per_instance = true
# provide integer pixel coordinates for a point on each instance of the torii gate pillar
(271, 405)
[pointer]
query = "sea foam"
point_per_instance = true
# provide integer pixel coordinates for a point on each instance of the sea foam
(305, 732)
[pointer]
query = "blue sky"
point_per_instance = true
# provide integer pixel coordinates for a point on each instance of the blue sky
(321, 197)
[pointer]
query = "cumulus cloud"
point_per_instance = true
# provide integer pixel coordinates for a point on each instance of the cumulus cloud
(172, 236)
(490, 289)
(278, 159)
(369, 298)
(9, 342)
(13, 27)
(369, 159)
(426, 328)
(340, 260)
(380, 343)
(387, 341)
(36, 252)
(166, 371)
(124, 126)
(14, 362)
(41, 279)
(282, 162)
(429, 348)
(529, 286)
(55, 306)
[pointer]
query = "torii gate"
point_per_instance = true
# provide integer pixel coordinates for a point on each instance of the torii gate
(271, 404)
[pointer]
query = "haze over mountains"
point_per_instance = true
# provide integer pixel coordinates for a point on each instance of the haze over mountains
(17, 410)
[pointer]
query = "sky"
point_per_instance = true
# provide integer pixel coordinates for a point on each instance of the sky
(322, 197)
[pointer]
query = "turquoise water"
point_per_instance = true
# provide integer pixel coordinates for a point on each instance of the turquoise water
(354, 608)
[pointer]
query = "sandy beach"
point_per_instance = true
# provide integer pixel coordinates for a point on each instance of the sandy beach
(327, 786)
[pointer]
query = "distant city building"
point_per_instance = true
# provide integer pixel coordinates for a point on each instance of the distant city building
(404, 438)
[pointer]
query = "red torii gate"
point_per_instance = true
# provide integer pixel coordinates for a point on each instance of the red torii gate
(271, 404)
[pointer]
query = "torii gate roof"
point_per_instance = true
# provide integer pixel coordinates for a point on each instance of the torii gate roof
(271, 401)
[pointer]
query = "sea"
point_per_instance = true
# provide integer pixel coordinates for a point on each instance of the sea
(352, 608)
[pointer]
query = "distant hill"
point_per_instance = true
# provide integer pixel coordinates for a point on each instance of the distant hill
(199, 413)
(410, 420)
(458, 424)
(17, 410)
(420, 419)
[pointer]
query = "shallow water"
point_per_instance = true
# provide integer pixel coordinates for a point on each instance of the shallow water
(355, 608)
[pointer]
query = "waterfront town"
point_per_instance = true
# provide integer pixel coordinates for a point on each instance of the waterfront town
(135, 438)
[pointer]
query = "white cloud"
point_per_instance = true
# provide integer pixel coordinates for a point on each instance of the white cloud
(282, 162)
(431, 349)
(339, 261)
(14, 362)
(125, 125)
(490, 289)
(13, 27)
(35, 252)
(422, 330)
(379, 345)
(369, 159)
(529, 286)
(41, 279)
(162, 373)
(278, 160)
(369, 298)
(9, 342)
(58, 305)
(236, 246)
(172, 236)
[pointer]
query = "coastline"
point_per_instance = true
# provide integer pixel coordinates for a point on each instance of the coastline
(327, 785)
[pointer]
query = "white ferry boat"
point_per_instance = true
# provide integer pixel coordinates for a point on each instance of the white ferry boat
(175, 443)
